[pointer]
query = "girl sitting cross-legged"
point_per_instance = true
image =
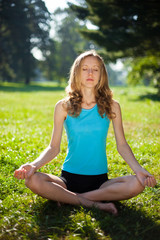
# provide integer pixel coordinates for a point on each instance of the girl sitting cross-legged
(86, 114)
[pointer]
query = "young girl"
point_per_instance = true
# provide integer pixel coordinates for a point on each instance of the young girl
(86, 115)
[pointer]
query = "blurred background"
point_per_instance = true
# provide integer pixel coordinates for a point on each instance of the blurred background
(39, 39)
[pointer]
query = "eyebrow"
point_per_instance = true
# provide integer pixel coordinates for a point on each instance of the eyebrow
(93, 65)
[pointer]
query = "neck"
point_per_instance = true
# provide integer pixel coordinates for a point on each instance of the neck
(88, 96)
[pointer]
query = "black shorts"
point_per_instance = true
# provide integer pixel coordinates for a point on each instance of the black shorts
(83, 183)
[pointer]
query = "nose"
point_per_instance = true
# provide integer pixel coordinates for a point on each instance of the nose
(90, 71)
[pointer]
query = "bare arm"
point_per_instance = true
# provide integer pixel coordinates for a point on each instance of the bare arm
(122, 145)
(125, 151)
(51, 151)
(54, 147)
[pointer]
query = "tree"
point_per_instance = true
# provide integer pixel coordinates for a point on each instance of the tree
(146, 70)
(61, 52)
(24, 25)
(50, 63)
(126, 29)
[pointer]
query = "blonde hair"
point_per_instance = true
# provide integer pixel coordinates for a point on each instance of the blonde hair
(103, 94)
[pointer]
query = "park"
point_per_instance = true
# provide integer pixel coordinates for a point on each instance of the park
(26, 122)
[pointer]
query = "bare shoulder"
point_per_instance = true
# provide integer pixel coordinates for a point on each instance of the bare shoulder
(59, 108)
(115, 106)
(59, 104)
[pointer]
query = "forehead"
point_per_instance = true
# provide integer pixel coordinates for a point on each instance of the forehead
(90, 61)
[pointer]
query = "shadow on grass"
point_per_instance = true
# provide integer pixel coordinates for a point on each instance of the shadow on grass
(130, 224)
(59, 222)
(150, 96)
(30, 88)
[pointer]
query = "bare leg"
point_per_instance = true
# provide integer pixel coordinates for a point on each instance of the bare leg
(121, 188)
(53, 188)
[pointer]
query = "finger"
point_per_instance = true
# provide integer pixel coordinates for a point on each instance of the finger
(15, 173)
(21, 174)
(145, 182)
(149, 181)
(153, 181)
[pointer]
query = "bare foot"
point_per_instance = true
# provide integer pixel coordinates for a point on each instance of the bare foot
(108, 207)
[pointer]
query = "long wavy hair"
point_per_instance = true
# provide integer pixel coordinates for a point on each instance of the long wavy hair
(103, 94)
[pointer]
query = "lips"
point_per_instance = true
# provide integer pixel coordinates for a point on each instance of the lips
(90, 79)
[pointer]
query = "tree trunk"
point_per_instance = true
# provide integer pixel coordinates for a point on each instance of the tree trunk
(27, 79)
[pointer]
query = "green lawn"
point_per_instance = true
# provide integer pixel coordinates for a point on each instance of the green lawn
(26, 121)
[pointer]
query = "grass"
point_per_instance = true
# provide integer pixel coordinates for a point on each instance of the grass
(26, 120)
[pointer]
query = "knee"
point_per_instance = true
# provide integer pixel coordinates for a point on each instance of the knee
(136, 187)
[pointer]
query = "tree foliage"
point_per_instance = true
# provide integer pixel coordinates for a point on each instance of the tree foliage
(24, 24)
(126, 29)
(146, 69)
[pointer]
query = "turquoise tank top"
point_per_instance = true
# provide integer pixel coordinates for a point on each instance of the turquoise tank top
(86, 136)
